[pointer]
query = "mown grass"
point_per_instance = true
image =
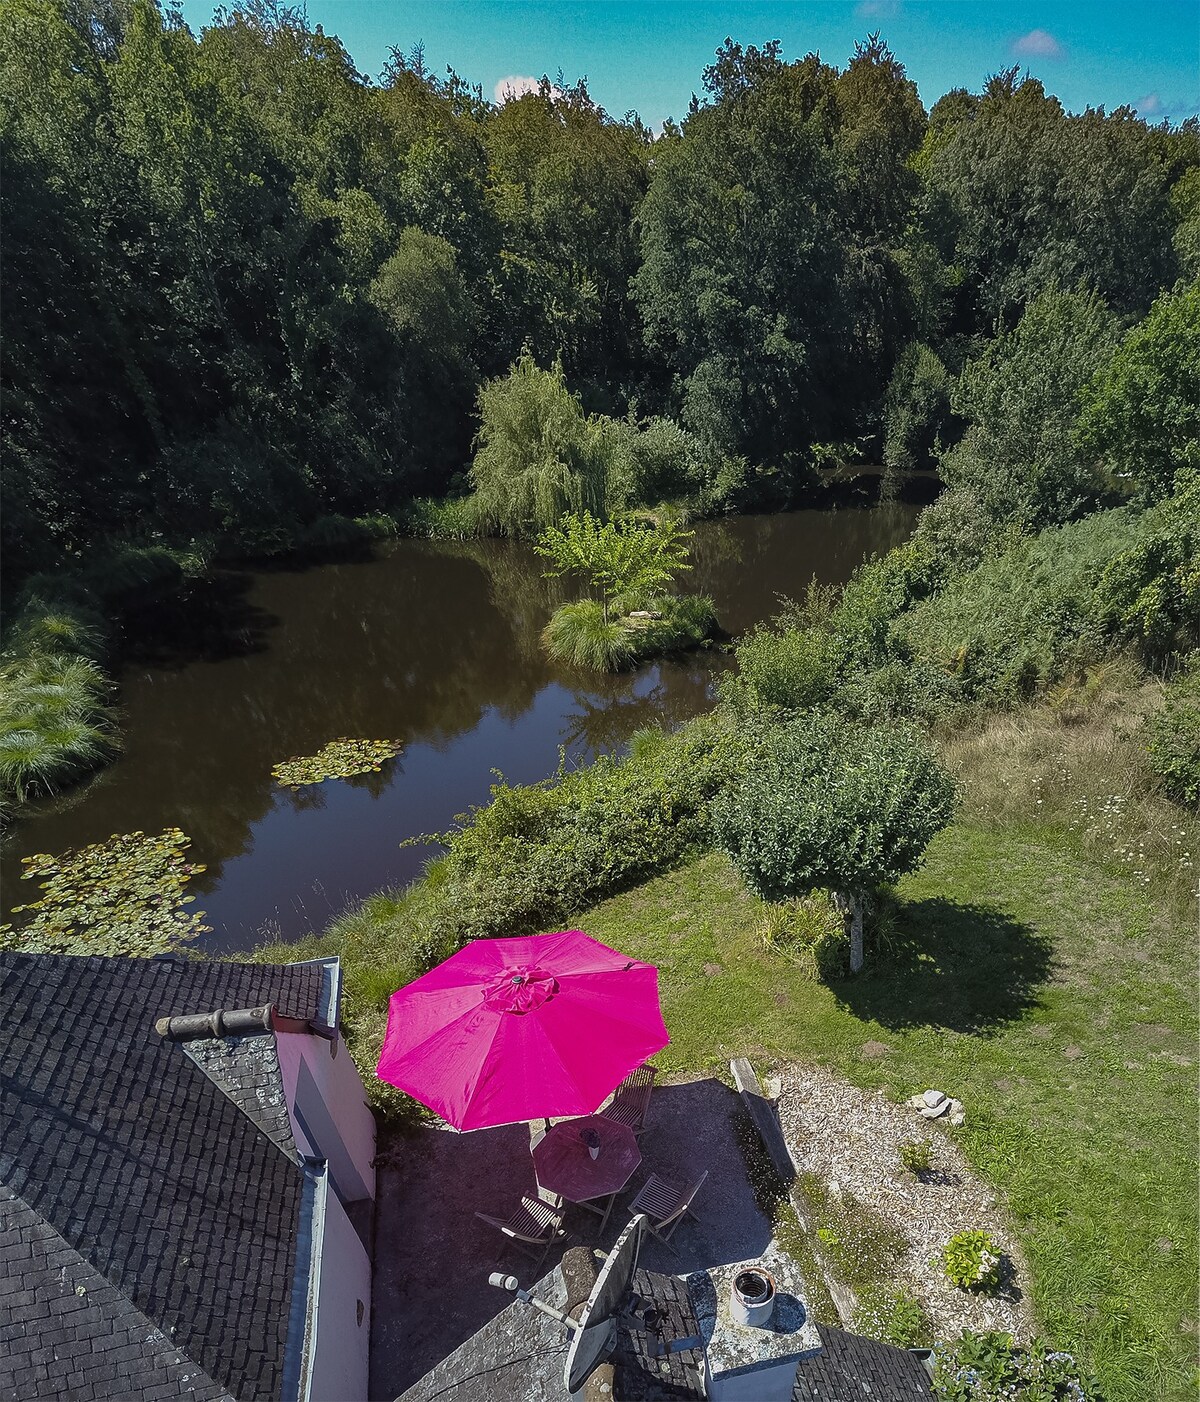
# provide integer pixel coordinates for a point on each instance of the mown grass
(1041, 967)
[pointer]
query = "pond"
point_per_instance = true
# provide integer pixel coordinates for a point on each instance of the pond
(432, 644)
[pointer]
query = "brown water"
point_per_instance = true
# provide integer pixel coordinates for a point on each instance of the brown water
(432, 644)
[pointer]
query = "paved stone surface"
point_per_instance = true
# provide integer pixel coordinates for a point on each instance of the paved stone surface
(432, 1256)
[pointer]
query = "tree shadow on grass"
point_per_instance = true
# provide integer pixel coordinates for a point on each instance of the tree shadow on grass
(960, 966)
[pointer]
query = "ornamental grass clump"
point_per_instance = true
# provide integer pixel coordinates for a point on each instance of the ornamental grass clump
(581, 636)
(54, 723)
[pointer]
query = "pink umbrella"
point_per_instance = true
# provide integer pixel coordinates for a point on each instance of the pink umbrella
(522, 1029)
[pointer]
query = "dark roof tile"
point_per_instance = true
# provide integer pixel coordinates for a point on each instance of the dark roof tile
(125, 1170)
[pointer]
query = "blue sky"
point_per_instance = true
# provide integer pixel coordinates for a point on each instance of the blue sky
(648, 54)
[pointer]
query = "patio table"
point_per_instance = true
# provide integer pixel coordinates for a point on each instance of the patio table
(564, 1166)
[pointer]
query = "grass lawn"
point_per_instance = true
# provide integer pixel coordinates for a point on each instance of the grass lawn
(1035, 985)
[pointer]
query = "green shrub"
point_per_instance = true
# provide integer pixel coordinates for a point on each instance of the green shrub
(917, 410)
(917, 1156)
(831, 806)
(893, 1317)
(448, 518)
(660, 462)
(130, 572)
(1150, 590)
(1023, 619)
(1020, 397)
(789, 669)
(916, 689)
(1173, 736)
(971, 1261)
(991, 1368)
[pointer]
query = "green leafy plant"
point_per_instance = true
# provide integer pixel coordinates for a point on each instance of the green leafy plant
(992, 1368)
(123, 896)
(971, 1260)
(894, 1317)
(917, 1156)
(625, 559)
(339, 759)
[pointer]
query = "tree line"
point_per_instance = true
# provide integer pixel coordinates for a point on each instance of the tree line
(247, 287)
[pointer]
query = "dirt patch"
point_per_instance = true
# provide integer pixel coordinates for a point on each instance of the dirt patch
(852, 1138)
(873, 1051)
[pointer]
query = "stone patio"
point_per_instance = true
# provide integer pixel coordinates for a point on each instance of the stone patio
(433, 1257)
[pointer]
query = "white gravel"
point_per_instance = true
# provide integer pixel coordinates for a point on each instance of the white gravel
(853, 1137)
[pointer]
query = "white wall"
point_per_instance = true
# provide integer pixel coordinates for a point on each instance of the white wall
(340, 1344)
(328, 1106)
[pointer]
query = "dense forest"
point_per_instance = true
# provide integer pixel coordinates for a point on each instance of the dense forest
(247, 287)
(254, 300)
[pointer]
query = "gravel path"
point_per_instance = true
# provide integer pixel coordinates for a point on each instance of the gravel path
(852, 1137)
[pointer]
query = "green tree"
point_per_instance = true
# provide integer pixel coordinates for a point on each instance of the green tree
(1141, 412)
(624, 560)
(1025, 197)
(834, 806)
(1017, 467)
(538, 456)
(768, 285)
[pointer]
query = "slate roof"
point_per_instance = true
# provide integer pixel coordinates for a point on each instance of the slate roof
(131, 1175)
(850, 1366)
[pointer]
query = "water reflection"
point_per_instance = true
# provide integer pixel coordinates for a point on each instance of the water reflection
(435, 645)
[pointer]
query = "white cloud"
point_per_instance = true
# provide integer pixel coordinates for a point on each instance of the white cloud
(518, 84)
(1038, 43)
(877, 9)
(1149, 105)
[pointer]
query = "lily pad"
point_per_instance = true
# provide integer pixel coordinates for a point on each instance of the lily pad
(123, 896)
(340, 759)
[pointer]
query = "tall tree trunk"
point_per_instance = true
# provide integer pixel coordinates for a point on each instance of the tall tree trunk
(850, 905)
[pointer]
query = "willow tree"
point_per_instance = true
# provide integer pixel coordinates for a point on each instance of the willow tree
(832, 806)
(538, 456)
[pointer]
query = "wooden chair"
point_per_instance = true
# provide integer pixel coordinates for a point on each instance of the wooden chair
(630, 1101)
(533, 1228)
(665, 1205)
